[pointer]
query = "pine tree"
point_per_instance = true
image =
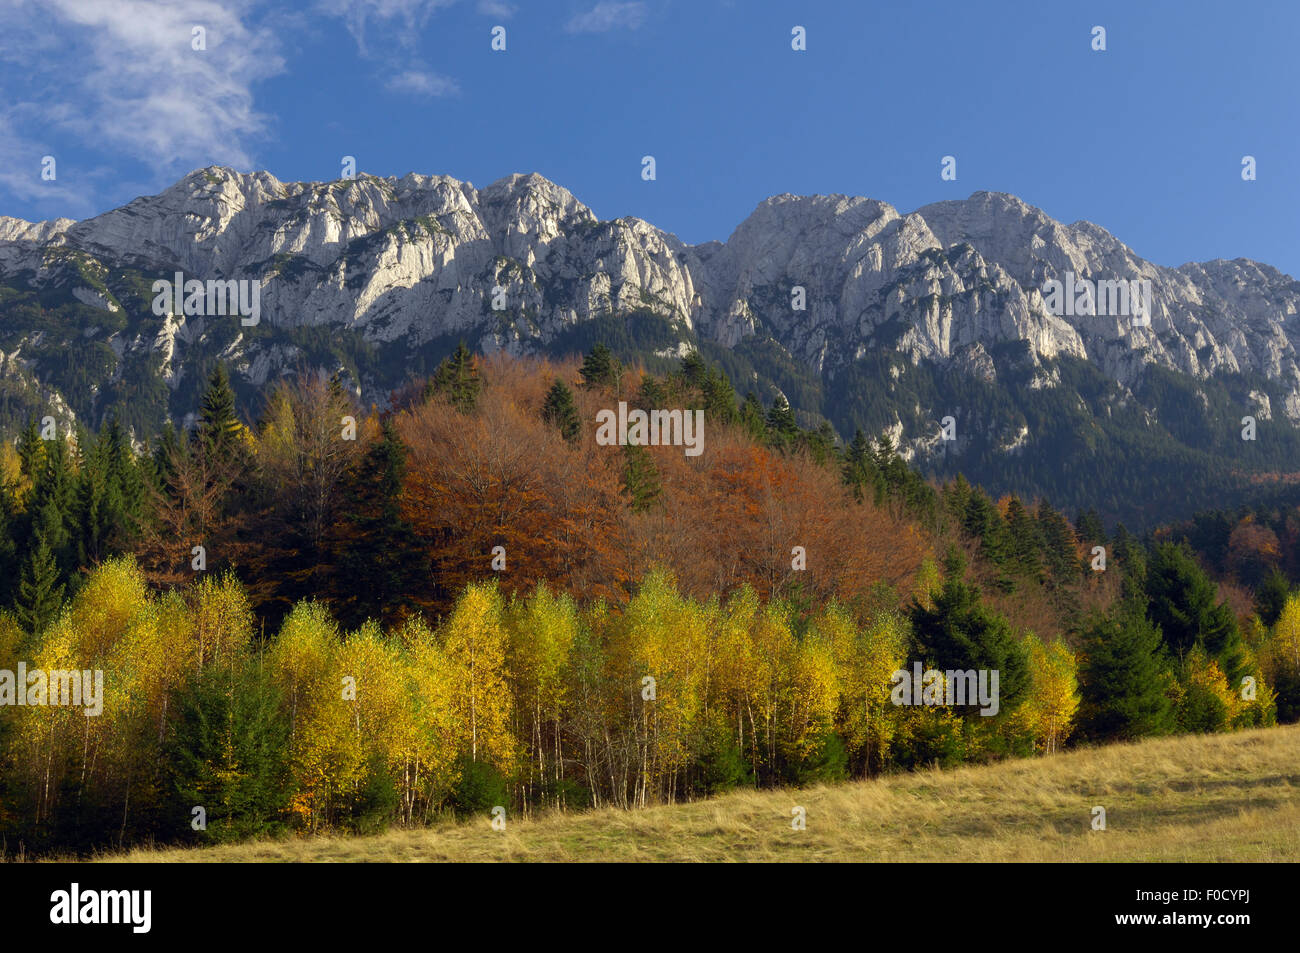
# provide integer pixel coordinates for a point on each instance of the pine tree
(860, 470)
(719, 397)
(1183, 604)
(1059, 553)
(380, 560)
(40, 589)
(1089, 528)
(1025, 545)
(457, 379)
(219, 426)
(560, 411)
(781, 425)
(1271, 597)
(752, 416)
(600, 368)
(959, 632)
(640, 477)
(652, 394)
(1124, 677)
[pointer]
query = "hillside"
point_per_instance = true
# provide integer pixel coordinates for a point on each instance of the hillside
(321, 620)
(856, 313)
(1198, 798)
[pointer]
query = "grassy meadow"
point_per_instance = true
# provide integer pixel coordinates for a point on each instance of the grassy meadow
(1229, 797)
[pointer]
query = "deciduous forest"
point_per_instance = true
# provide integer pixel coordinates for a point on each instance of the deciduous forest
(314, 616)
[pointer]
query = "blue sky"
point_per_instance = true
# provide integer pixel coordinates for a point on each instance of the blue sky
(1145, 139)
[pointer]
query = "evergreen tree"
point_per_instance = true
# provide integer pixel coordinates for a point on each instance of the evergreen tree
(694, 370)
(1271, 597)
(719, 397)
(163, 463)
(1025, 547)
(1059, 553)
(1089, 528)
(781, 425)
(640, 477)
(561, 412)
(9, 562)
(1128, 553)
(381, 561)
(653, 394)
(820, 443)
(752, 416)
(219, 427)
(985, 524)
(1124, 678)
(1183, 604)
(52, 508)
(956, 497)
(892, 469)
(228, 749)
(457, 379)
(600, 368)
(959, 632)
(860, 470)
(40, 589)
(31, 450)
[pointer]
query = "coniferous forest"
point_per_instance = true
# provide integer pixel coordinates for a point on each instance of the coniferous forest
(315, 616)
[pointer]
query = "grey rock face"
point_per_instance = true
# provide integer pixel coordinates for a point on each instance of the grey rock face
(403, 262)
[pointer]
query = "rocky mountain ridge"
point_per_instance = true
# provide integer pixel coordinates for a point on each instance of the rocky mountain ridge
(361, 276)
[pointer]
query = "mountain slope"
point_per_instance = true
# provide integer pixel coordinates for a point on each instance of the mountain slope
(905, 319)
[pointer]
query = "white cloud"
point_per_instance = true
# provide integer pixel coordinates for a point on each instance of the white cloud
(422, 83)
(496, 8)
(397, 21)
(608, 15)
(124, 74)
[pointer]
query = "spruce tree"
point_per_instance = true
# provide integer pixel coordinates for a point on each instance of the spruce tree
(719, 397)
(959, 632)
(1271, 597)
(40, 589)
(1059, 553)
(381, 561)
(1089, 528)
(219, 426)
(1124, 678)
(781, 425)
(860, 471)
(652, 394)
(227, 748)
(694, 370)
(600, 368)
(457, 379)
(9, 561)
(1025, 545)
(1183, 604)
(752, 416)
(640, 477)
(560, 411)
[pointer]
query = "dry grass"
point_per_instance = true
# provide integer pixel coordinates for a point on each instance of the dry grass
(1211, 798)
